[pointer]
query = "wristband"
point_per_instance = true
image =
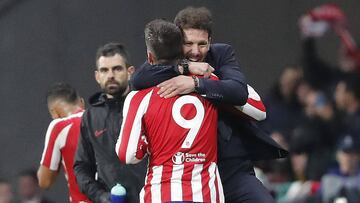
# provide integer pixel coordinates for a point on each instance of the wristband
(185, 65)
(196, 82)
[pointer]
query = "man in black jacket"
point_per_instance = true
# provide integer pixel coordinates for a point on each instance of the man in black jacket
(239, 141)
(96, 166)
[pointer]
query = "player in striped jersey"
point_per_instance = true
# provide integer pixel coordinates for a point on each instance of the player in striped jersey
(66, 108)
(180, 132)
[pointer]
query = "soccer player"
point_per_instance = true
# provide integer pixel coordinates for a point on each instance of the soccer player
(180, 132)
(66, 108)
(240, 141)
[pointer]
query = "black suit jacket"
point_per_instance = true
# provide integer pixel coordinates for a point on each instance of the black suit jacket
(238, 137)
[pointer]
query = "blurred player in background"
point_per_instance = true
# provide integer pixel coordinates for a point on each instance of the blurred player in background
(66, 108)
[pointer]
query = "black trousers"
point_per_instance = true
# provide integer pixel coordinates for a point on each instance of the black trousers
(240, 183)
(245, 188)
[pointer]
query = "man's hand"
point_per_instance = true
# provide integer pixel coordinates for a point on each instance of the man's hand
(311, 28)
(200, 68)
(178, 85)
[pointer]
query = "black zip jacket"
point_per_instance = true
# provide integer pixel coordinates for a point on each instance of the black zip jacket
(100, 128)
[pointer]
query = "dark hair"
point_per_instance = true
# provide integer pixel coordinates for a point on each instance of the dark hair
(29, 173)
(112, 48)
(196, 18)
(4, 181)
(352, 82)
(164, 40)
(349, 143)
(63, 92)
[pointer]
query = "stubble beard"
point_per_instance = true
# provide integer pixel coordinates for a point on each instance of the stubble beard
(115, 88)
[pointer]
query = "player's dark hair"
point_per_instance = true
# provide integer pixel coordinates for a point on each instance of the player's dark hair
(164, 40)
(62, 91)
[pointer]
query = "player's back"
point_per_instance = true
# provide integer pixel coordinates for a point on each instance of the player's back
(185, 124)
(182, 142)
(60, 146)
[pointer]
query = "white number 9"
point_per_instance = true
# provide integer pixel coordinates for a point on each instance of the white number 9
(192, 124)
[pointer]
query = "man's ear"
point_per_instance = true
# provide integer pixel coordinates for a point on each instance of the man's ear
(150, 58)
(130, 71)
(82, 103)
(96, 74)
(54, 114)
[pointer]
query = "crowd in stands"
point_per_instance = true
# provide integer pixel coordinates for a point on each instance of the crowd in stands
(314, 112)
(26, 189)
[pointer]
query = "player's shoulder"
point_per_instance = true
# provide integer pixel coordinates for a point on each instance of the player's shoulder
(141, 93)
(61, 122)
(220, 46)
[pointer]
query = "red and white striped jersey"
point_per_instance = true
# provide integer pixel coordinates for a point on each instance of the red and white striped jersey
(254, 107)
(181, 140)
(60, 146)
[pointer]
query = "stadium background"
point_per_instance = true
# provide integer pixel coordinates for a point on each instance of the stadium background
(46, 41)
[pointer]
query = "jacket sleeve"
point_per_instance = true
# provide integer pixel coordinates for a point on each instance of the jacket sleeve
(150, 75)
(85, 165)
(254, 107)
(231, 88)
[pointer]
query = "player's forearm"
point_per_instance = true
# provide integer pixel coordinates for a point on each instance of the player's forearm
(46, 177)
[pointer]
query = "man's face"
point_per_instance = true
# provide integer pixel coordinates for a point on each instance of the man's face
(6, 194)
(196, 45)
(112, 74)
(340, 96)
(28, 187)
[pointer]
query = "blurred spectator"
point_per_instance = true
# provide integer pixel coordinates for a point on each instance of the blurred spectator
(301, 190)
(28, 188)
(306, 115)
(276, 175)
(307, 140)
(318, 73)
(6, 193)
(282, 106)
(66, 107)
(320, 114)
(343, 180)
(347, 98)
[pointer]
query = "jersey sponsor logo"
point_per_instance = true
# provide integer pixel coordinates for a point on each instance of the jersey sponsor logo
(180, 158)
(98, 133)
(195, 158)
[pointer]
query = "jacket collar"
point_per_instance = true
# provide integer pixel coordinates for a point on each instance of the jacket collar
(100, 98)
